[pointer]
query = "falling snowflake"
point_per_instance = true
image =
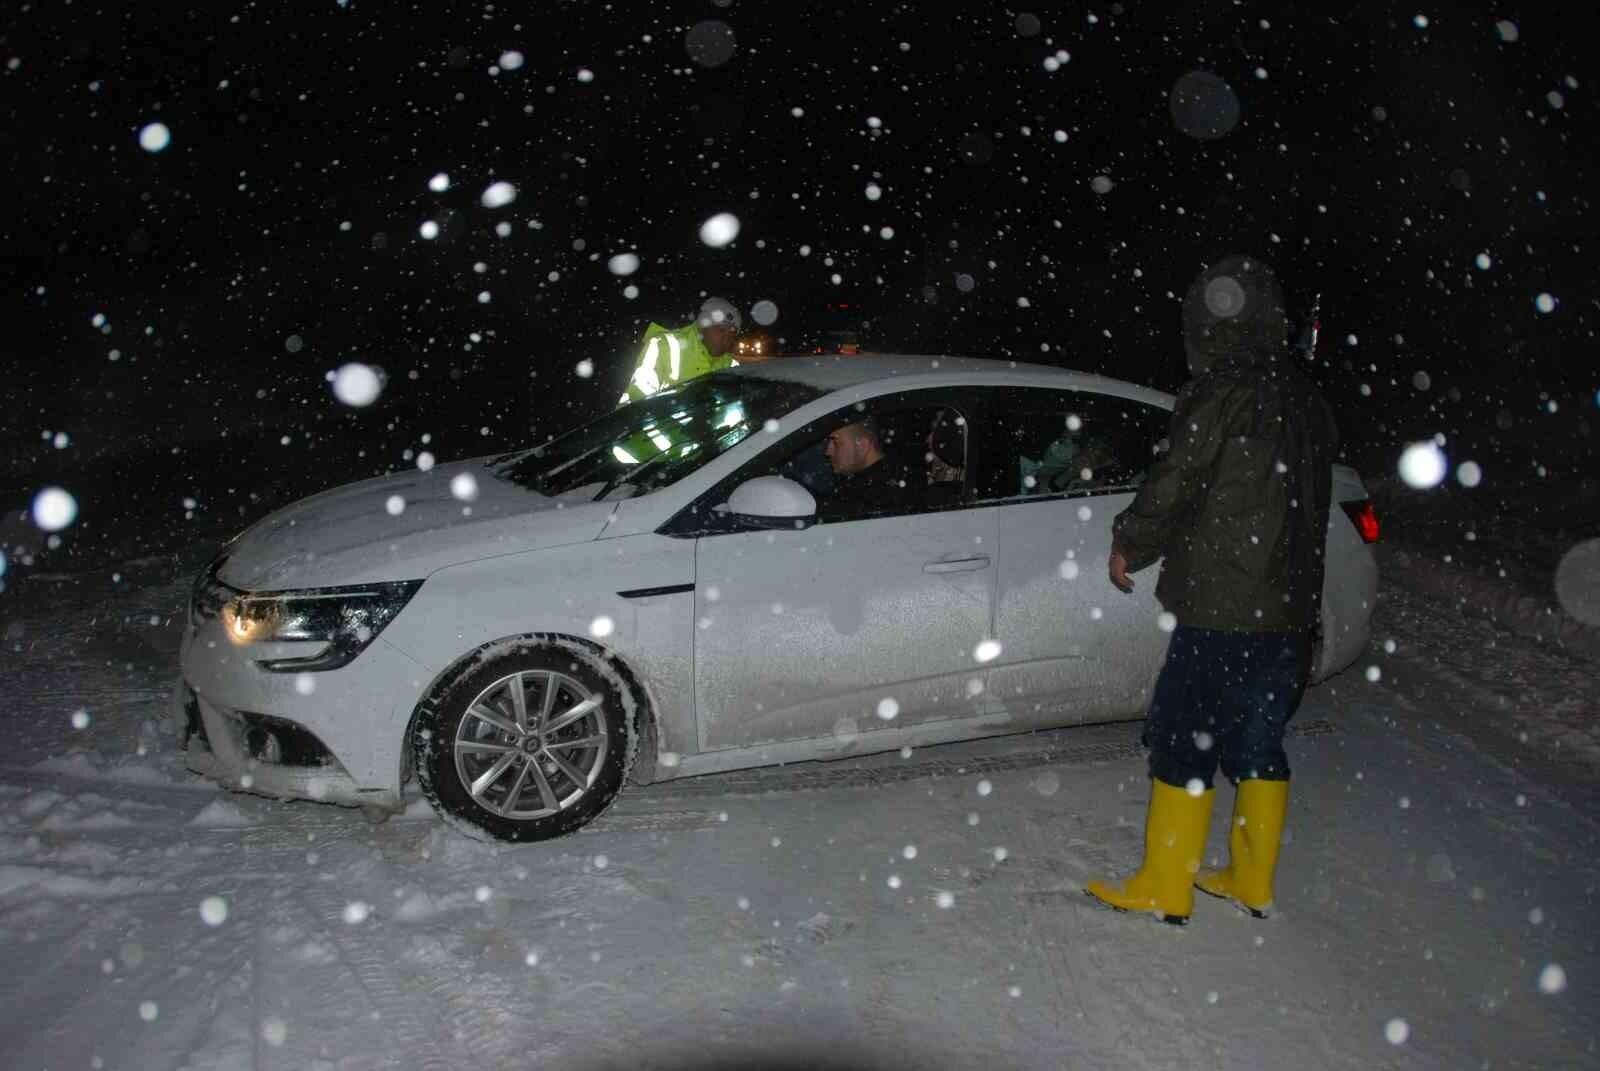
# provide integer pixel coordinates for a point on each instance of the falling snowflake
(499, 195)
(1423, 465)
(356, 384)
(154, 137)
(719, 230)
(711, 43)
(54, 509)
(464, 486)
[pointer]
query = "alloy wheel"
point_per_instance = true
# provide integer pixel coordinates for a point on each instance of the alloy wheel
(531, 744)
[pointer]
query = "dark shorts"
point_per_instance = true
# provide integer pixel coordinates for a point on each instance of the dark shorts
(1225, 698)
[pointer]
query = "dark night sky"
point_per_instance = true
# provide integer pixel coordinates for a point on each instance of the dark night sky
(1372, 152)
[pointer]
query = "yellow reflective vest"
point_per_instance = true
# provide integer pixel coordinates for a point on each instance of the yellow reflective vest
(669, 357)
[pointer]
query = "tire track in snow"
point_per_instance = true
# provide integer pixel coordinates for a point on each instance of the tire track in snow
(1064, 994)
(374, 972)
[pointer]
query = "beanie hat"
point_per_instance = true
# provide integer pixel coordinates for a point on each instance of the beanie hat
(719, 312)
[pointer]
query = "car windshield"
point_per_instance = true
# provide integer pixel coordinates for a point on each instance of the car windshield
(646, 445)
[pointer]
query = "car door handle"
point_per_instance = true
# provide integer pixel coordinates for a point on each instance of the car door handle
(957, 565)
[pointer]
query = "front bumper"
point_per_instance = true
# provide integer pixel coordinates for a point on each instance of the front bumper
(265, 756)
(335, 736)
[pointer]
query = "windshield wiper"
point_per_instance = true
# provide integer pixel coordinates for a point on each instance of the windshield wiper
(631, 476)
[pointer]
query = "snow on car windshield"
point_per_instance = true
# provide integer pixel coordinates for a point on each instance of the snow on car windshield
(646, 445)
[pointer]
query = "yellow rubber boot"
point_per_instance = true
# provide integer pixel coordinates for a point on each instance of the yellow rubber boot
(1174, 840)
(1258, 815)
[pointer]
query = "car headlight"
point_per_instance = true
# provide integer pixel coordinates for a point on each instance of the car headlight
(346, 619)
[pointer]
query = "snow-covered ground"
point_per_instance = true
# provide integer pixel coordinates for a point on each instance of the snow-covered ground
(1437, 891)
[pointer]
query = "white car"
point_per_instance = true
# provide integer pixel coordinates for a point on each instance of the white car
(675, 589)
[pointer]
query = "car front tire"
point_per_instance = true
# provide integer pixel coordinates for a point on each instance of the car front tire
(530, 742)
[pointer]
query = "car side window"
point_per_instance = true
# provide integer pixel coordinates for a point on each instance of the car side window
(900, 454)
(1050, 441)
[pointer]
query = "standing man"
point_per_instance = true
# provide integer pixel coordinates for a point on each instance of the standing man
(1238, 510)
(670, 356)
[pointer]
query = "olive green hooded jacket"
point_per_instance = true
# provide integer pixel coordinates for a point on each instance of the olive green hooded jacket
(1237, 508)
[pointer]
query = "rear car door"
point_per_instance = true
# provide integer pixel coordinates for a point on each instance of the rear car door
(1061, 465)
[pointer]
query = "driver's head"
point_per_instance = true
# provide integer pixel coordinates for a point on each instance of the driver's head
(852, 448)
(719, 325)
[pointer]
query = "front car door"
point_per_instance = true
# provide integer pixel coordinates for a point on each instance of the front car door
(861, 622)
(1062, 464)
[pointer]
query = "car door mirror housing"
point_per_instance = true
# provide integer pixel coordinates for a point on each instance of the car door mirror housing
(769, 499)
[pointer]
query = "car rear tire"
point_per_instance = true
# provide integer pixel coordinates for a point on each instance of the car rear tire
(527, 744)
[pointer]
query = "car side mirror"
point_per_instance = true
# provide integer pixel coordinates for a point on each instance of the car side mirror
(771, 502)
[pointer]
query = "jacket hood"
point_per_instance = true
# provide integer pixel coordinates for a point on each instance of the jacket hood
(1233, 313)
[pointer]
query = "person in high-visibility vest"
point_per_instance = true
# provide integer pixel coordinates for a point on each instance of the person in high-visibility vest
(670, 356)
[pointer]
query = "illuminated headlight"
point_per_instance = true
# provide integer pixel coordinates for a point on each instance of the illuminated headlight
(344, 620)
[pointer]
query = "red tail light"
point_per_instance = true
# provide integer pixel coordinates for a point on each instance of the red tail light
(1364, 517)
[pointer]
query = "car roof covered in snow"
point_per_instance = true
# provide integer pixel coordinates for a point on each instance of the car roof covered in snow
(831, 373)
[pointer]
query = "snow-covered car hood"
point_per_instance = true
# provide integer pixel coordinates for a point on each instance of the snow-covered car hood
(348, 535)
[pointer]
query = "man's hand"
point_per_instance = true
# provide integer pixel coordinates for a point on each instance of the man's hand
(1117, 568)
